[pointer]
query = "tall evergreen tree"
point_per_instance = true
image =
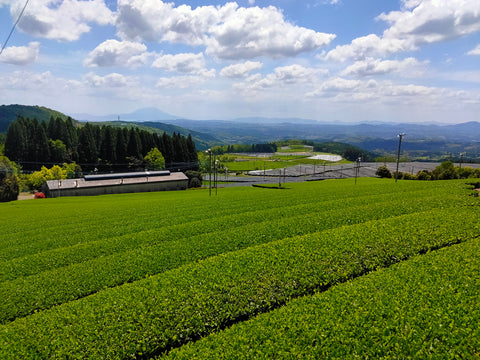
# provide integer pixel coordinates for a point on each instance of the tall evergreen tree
(88, 151)
(168, 149)
(16, 142)
(134, 148)
(121, 145)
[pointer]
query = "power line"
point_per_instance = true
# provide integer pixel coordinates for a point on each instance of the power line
(14, 25)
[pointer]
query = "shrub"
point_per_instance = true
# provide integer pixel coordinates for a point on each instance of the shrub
(383, 172)
(9, 187)
(424, 175)
(408, 176)
(194, 178)
(195, 183)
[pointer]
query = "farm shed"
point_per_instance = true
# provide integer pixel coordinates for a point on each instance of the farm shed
(117, 184)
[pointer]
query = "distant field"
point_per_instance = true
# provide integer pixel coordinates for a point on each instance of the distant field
(319, 270)
(278, 161)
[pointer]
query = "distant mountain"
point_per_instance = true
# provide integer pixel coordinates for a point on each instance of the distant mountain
(257, 131)
(10, 113)
(264, 120)
(140, 115)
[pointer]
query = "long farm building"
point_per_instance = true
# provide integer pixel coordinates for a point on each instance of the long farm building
(117, 184)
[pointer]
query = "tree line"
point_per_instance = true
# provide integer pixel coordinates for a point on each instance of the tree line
(106, 148)
(245, 148)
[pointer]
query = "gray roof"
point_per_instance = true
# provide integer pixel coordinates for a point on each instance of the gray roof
(145, 178)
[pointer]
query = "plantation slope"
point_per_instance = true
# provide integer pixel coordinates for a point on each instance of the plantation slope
(31, 227)
(55, 257)
(152, 315)
(63, 284)
(426, 307)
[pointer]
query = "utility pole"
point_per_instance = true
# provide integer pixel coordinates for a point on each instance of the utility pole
(209, 151)
(357, 169)
(400, 136)
(461, 158)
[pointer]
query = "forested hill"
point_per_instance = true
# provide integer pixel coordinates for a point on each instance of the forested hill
(33, 144)
(10, 113)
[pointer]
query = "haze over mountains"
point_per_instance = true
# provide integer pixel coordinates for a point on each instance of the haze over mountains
(268, 129)
(372, 136)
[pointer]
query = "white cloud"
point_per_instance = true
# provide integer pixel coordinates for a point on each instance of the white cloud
(419, 23)
(118, 53)
(113, 80)
(371, 67)
(431, 21)
(254, 32)
(182, 82)
(240, 70)
(367, 46)
(5, 2)
(281, 77)
(21, 55)
(228, 32)
(475, 51)
(183, 63)
(63, 21)
(340, 85)
(36, 84)
(154, 20)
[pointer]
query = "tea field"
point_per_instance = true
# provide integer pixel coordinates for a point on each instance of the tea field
(318, 270)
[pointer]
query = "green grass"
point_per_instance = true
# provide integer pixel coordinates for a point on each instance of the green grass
(136, 275)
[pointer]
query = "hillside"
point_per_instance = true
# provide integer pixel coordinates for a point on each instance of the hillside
(10, 113)
(324, 269)
(202, 141)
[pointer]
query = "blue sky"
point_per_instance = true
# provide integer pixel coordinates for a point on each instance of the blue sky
(328, 60)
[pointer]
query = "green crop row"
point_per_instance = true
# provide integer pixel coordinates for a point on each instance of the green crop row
(82, 222)
(152, 315)
(24, 295)
(49, 258)
(424, 308)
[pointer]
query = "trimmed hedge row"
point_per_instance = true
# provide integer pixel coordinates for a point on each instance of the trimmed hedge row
(24, 295)
(153, 315)
(49, 258)
(423, 308)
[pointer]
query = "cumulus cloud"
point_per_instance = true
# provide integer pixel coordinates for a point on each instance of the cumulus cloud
(228, 31)
(431, 21)
(475, 51)
(347, 90)
(282, 76)
(240, 70)
(5, 2)
(63, 21)
(420, 22)
(21, 55)
(31, 83)
(118, 53)
(254, 32)
(371, 67)
(112, 80)
(368, 46)
(183, 63)
(184, 81)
